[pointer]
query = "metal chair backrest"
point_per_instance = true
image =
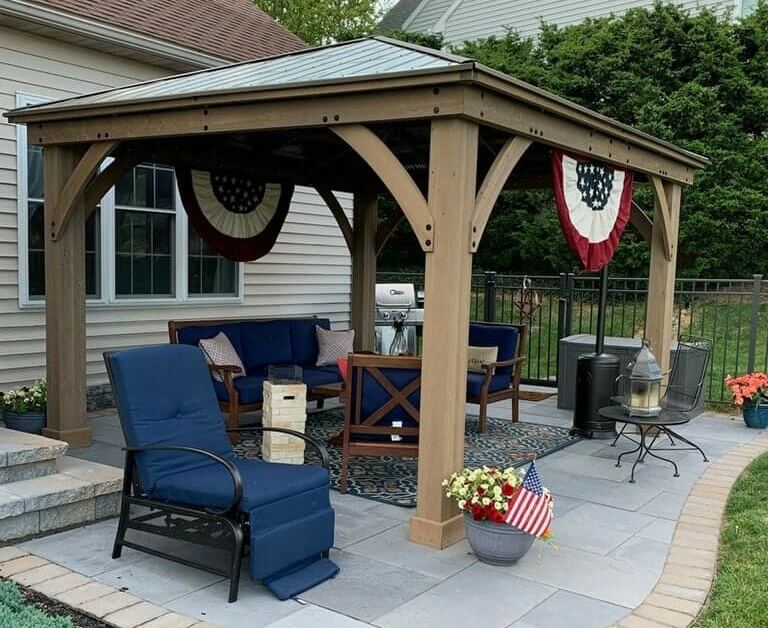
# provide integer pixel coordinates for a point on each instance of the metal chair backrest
(686, 378)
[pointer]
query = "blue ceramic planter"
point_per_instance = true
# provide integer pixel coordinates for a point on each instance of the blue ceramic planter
(30, 422)
(756, 416)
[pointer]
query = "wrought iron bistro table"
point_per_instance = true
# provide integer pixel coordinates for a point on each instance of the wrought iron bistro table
(658, 425)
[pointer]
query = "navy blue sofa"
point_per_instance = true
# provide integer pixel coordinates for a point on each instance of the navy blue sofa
(259, 343)
(180, 467)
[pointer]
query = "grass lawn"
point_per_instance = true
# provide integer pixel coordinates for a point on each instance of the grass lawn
(740, 594)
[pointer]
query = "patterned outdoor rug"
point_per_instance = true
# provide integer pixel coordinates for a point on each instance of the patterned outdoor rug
(393, 480)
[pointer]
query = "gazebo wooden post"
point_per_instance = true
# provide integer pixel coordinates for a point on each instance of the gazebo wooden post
(448, 273)
(661, 285)
(65, 304)
(365, 224)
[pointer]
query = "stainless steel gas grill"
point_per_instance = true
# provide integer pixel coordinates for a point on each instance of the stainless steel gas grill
(396, 308)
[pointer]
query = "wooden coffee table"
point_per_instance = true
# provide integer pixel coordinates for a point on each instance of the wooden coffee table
(328, 391)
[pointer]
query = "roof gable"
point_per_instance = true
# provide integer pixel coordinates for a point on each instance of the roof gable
(229, 29)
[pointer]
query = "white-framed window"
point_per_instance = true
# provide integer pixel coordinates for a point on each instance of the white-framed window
(138, 248)
(745, 7)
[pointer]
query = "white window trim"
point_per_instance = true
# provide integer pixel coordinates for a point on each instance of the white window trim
(108, 244)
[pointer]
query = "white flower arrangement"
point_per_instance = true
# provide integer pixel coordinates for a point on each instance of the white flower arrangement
(24, 399)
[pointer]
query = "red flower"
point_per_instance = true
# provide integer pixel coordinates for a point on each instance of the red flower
(507, 490)
(480, 491)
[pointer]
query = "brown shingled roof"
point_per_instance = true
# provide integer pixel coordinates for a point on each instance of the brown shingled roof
(236, 30)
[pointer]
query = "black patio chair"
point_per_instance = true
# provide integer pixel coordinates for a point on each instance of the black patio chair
(182, 476)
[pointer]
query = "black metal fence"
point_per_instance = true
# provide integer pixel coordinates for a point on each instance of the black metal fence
(732, 313)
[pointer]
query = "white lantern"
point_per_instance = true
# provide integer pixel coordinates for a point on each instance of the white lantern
(644, 395)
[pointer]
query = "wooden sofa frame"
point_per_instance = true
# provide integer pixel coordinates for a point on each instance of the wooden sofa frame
(233, 407)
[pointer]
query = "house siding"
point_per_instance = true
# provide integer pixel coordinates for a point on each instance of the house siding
(308, 271)
(474, 19)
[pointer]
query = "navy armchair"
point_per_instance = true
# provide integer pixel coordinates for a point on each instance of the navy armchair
(181, 469)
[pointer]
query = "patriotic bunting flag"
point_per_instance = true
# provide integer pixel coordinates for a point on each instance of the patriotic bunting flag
(593, 204)
(529, 509)
(238, 216)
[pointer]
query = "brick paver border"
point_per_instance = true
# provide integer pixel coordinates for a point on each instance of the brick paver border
(87, 596)
(684, 585)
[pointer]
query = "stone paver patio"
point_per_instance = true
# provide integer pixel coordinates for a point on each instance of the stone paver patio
(612, 537)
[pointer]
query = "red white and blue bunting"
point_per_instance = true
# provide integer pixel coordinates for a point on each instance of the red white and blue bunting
(593, 203)
(238, 216)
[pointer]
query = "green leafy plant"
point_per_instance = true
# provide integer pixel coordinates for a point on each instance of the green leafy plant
(16, 612)
(23, 399)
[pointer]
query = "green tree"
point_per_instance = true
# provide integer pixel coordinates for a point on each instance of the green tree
(323, 21)
(699, 81)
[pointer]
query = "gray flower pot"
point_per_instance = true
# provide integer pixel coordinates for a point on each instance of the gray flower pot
(29, 422)
(496, 543)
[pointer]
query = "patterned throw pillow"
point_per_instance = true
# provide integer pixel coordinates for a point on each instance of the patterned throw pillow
(333, 345)
(219, 351)
(477, 356)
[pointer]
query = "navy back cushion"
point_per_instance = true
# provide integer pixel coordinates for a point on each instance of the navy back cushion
(193, 334)
(504, 337)
(165, 396)
(304, 339)
(374, 395)
(265, 343)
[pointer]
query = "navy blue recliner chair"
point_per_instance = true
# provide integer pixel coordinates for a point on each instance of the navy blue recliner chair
(181, 468)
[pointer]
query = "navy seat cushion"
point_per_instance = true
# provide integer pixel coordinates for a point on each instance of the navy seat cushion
(502, 336)
(500, 381)
(165, 396)
(192, 335)
(374, 395)
(250, 389)
(319, 376)
(263, 483)
(265, 343)
(304, 339)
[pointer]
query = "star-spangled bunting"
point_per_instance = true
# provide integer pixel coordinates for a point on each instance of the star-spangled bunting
(529, 509)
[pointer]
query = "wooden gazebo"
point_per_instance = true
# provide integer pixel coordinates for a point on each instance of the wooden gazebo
(443, 135)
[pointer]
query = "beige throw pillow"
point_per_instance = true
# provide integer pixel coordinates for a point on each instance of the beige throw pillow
(333, 345)
(219, 351)
(477, 356)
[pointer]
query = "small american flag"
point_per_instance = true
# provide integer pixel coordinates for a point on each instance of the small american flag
(529, 510)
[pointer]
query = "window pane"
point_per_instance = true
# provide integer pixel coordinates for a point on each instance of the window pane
(124, 190)
(145, 187)
(144, 259)
(209, 273)
(93, 255)
(164, 192)
(35, 172)
(36, 274)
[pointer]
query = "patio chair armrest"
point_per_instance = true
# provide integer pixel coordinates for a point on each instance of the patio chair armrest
(320, 447)
(225, 367)
(503, 363)
(234, 472)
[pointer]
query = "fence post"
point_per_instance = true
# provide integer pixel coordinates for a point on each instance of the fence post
(757, 284)
(490, 297)
(565, 305)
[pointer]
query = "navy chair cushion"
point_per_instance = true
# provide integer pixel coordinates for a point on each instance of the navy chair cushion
(374, 395)
(263, 483)
(192, 335)
(502, 336)
(304, 339)
(500, 381)
(165, 397)
(265, 343)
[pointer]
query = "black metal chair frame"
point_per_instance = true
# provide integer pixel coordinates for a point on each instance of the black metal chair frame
(671, 434)
(208, 526)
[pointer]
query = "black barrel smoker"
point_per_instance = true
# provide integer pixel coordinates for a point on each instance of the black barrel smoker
(596, 374)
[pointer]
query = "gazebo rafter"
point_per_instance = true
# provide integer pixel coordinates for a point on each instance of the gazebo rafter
(359, 117)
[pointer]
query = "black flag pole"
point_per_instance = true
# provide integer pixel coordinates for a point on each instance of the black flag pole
(602, 306)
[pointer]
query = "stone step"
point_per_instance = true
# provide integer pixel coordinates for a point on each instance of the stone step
(77, 492)
(27, 456)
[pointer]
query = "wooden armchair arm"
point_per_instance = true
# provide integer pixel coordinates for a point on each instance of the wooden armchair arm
(225, 368)
(502, 363)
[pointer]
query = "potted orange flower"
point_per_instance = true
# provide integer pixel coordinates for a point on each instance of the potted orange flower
(750, 393)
